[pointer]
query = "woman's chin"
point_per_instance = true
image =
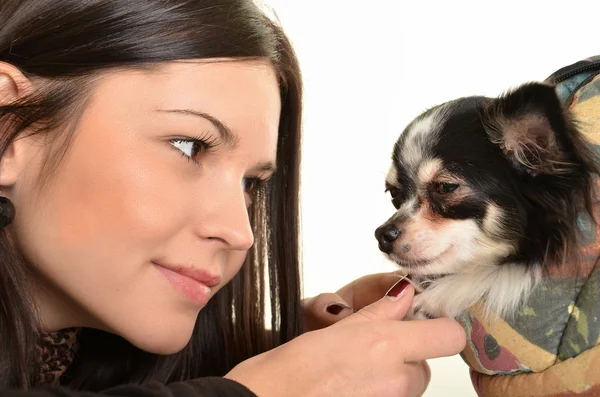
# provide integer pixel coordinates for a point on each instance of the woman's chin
(160, 337)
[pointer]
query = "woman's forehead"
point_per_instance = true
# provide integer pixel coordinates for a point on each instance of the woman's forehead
(237, 101)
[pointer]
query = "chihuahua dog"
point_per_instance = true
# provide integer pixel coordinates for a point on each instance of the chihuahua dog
(487, 195)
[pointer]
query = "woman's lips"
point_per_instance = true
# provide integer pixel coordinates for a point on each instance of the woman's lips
(194, 284)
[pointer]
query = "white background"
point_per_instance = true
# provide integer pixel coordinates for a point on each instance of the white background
(369, 68)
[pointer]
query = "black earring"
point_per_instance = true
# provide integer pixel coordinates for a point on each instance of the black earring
(7, 211)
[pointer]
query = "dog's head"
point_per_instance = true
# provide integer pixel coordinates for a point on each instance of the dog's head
(487, 181)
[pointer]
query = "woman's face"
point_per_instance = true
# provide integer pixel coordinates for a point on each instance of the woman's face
(146, 217)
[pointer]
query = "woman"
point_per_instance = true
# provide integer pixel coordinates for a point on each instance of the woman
(149, 177)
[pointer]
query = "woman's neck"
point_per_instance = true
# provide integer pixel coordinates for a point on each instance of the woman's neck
(56, 311)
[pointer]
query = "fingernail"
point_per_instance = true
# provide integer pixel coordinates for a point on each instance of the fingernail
(336, 308)
(398, 289)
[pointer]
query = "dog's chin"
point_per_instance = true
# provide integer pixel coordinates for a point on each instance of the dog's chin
(422, 266)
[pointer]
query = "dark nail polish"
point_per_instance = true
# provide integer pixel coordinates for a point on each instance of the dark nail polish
(398, 288)
(336, 308)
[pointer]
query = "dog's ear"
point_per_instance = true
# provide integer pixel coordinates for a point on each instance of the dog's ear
(531, 126)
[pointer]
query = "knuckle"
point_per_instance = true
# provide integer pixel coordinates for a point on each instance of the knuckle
(379, 343)
(319, 299)
(410, 379)
(325, 296)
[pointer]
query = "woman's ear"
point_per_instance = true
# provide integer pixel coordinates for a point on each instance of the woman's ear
(14, 85)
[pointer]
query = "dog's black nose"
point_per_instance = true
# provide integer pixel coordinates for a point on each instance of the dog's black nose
(386, 235)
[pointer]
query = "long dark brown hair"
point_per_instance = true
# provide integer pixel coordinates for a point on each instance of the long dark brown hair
(66, 43)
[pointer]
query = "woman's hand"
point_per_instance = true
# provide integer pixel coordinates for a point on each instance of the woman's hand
(369, 353)
(326, 309)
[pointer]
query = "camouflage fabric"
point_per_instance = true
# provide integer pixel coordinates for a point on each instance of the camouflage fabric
(550, 348)
(578, 86)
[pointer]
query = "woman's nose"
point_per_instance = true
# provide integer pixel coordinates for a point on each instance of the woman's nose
(226, 218)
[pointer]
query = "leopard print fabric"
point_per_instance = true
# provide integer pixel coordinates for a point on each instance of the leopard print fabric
(56, 352)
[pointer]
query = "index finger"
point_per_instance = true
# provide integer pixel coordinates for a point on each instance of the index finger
(426, 339)
(368, 289)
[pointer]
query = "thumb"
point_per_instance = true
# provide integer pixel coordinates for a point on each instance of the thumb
(393, 306)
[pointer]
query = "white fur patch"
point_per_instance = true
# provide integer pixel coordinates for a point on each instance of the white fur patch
(406, 209)
(503, 289)
(408, 206)
(493, 219)
(419, 137)
(428, 170)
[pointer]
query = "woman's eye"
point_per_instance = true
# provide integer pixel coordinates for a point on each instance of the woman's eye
(190, 147)
(445, 187)
(251, 185)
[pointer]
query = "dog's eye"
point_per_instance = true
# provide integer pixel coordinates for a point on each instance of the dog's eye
(445, 187)
(396, 195)
(394, 192)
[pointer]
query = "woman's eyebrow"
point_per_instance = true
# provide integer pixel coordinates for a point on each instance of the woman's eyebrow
(227, 136)
(268, 166)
